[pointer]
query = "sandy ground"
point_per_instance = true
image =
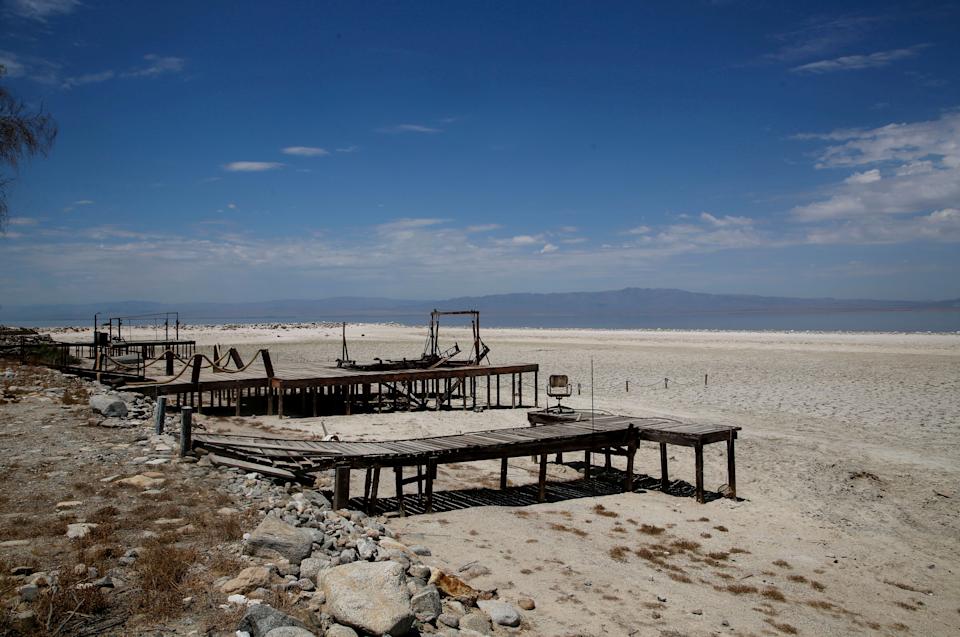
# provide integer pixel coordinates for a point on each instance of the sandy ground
(848, 470)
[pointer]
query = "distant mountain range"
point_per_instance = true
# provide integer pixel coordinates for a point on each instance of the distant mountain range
(640, 306)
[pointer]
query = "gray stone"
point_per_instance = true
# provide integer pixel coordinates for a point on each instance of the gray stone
(311, 567)
(28, 592)
(448, 620)
(290, 631)
(500, 612)
(476, 622)
(261, 619)
(369, 596)
(347, 556)
(367, 549)
(274, 537)
(426, 604)
(421, 550)
(109, 406)
(79, 530)
(420, 571)
(339, 630)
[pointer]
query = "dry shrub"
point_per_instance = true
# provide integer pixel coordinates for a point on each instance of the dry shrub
(105, 514)
(706, 536)
(799, 579)
(77, 396)
(680, 577)
(610, 598)
(739, 550)
(522, 513)
(703, 520)
(908, 587)
(618, 529)
(782, 564)
(900, 628)
(682, 545)
(220, 528)
(721, 528)
(783, 628)
(602, 510)
(722, 575)
(906, 605)
(740, 589)
(619, 553)
(718, 555)
(817, 586)
(651, 529)
(567, 529)
(84, 488)
(62, 609)
(27, 528)
(774, 594)
(163, 570)
(819, 603)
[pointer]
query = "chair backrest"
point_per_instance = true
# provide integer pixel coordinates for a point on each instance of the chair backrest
(558, 380)
(559, 386)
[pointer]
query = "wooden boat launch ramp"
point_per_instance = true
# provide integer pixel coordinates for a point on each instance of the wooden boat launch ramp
(611, 435)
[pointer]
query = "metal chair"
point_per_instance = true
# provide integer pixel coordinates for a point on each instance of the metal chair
(559, 387)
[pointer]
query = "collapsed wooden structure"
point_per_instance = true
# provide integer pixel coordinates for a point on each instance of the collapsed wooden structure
(309, 389)
(301, 460)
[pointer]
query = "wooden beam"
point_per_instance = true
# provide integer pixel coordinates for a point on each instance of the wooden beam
(341, 487)
(698, 457)
(664, 475)
(503, 474)
(542, 479)
(731, 465)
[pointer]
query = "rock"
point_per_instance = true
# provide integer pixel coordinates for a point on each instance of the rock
(248, 579)
(369, 596)
(104, 582)
(227, 511)
(476, 622)
(109, 406)
(311, 567)
(8, 544)
(526, 603)
(290, 631)
(448, 619)
(169, 521)
(339, 630)
(69, 504)
(261, 619)
(274, 537)
(79, 529)
(419, 571)
(421, 551)
(697, 611)
(142, 481)
(347, 556)
(725, 491)
(367, 549)
(501, 613)
(28, 592)
(426, 604)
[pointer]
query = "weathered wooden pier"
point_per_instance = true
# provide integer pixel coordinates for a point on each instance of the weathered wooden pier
(611, 435)
(310, 389)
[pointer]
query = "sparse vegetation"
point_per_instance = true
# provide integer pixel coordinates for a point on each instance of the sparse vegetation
(650, 529)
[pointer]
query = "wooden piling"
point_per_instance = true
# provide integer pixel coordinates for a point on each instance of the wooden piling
(186, 431)
(160, 414)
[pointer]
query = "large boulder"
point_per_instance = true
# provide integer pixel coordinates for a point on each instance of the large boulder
(275, 538)
(109, 406)
(369, 596)
(500, 612)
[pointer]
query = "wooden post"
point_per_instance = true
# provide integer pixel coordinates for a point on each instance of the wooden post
(731, 465)
(578, 389)
(498, 390)
(705, 380)
(542, 479)
(463, 390)
(169, 362)
(665, 383)
(628, 386)
(341, 487)
(186, 430)
(520, 389)
(269, 395)
(431, 470)
(631, 452)
(372, 506)
(606, 459)
(586, 464)
(195, 372)
(536, 388)
(235, 357)
(698, 455)
(664, 475)
(267, 363)
(503, 473)
(239, 394)
(160, 414)
(280, 392)
(398, 471)
(513, 390)
(313, 399)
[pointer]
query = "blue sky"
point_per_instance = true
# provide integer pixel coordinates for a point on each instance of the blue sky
(251, 151)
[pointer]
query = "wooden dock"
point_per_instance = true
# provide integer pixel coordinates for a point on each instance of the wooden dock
(309, 389)
(611, 435)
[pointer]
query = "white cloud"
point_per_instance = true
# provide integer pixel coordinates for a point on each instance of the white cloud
(232, 206)
(483, 227)
(924, 175)
(639, 230)
(251, 166)
(41, 9)
(725, 221)
(938, 226)
(157, 65)
(866, 177)
(858, 62)
(348, 149)
(548, 248)
(305, 151)
(410, 128)
(12, 64)
(89, 78)
(84, 202)
(524, 240)
(22, 221)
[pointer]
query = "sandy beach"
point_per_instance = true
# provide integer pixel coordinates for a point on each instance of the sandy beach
(848, 474)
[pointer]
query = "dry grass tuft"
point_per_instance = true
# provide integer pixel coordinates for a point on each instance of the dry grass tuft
(906, 605)
(783, 628)
(721, 528)
(566, 529)
(774, 594)
(817, 586)
(682, 545)
(619, 553)
(26, 528)
(819, 603)
(651, 529)
(718, 555)
(782, 563)
(680, 577)
(740, 589)
(739, 550)
(799, 579)
(163, 571)
(908, 587)
(602, 510)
